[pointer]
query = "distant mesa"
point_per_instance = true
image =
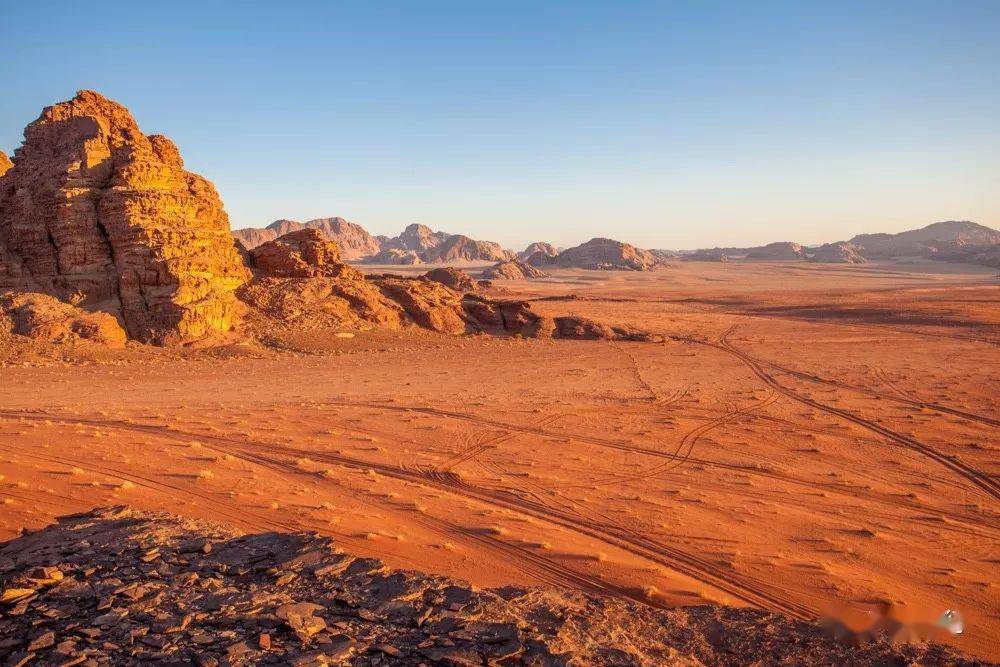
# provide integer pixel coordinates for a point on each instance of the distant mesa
(513, 270)
(5, 163)
(94, 210)
(598, 254)
(921, 242)
(780, 251)
(841, 252)
(537, 246)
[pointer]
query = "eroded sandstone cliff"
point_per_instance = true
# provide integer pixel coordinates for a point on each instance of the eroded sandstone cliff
(94, 208)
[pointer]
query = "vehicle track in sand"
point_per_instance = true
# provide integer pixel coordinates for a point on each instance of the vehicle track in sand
(738, 586)
(982, 481)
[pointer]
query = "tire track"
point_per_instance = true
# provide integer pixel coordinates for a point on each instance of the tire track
(743, 587)
(981, 480)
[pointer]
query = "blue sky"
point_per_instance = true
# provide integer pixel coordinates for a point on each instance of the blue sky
(666, 124)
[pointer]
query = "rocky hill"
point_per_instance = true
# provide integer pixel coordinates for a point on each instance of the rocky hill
(599, 254)
(513, 270)
(779, 251)
(122, 587)
(434, 247)
(537, 246)
(354, 241)
(96, 209)
(917, 242)
(841, 252)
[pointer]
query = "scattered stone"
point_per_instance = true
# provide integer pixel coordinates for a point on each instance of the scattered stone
(354, 611)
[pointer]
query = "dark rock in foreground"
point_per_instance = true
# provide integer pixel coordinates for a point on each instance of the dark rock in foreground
(123, 587)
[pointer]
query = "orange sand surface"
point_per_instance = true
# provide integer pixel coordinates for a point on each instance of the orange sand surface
(806, 436)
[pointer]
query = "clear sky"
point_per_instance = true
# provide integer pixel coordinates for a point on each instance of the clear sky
(666, 124)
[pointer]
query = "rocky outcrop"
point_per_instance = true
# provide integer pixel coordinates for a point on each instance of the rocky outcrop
(436, 247)
(352, 239)
(119, 586)
(599, 254)
(5, 163)
(95, 208)
(44, 317)
(707, 255)
(513, 270)
(582, 328)
(302, 254)
(777, 252)
(451, 277)
(537, 246)
(395, 256)
(917, 242)
(300, 285)
(983, 255)
(841, 252)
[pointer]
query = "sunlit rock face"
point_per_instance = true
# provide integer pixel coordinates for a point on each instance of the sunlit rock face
(92, 207)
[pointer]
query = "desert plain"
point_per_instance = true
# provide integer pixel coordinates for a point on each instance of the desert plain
(805, 438)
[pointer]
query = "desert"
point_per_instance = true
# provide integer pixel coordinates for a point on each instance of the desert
(784, 436)
(559, 334)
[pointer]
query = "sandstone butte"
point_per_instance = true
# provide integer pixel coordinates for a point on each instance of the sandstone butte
(96, 212)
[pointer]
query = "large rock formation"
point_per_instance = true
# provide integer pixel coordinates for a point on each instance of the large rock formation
(302, 254)
(779, 251)
(433, 247)
(5, 163)
(537, 246)
(352, 239)
(513, 271)
(599, 254)
(841, 252)
(300, 285)
(95, 208)
(451, 277)
(918, 242)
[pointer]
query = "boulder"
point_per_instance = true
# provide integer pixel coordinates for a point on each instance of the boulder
(92, 206)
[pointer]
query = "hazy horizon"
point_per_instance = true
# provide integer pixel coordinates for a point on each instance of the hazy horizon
(667, 126)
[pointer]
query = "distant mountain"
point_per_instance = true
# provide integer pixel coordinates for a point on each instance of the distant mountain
(354, 241)
(780, 251)
(436, 247)
(599, 253)
(918, 242)
(537, 246)
(842, 252)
